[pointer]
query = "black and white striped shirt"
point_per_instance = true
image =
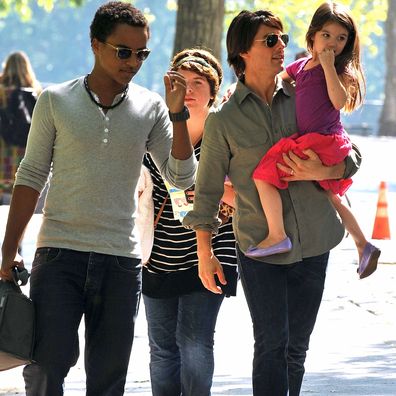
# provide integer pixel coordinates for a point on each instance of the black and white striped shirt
(175, 247)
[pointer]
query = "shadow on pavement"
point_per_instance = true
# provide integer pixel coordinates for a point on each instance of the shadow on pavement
(373, 375)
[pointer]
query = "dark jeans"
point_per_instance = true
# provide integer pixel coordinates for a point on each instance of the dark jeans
(181, 332)
(283, 301)
(64, 286)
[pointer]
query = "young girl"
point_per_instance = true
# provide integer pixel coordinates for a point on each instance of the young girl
(326, 82)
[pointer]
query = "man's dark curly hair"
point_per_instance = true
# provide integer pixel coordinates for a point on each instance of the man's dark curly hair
(111, 14)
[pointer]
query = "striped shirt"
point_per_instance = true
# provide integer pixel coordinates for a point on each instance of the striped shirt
(175, 247)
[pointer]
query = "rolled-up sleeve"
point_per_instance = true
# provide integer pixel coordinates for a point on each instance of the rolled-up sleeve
(179, 173)
(209, 186)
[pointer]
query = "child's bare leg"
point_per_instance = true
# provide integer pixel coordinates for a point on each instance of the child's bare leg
(350, 223)
(272, 207)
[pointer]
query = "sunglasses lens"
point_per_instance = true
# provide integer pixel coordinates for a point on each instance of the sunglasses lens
(272, 39)
(285, 39)
(124, 53)
(142, 54)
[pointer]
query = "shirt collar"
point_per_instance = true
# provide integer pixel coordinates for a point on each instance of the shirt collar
(242, 91)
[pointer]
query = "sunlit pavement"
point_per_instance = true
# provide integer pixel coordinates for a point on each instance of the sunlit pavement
(353, 346)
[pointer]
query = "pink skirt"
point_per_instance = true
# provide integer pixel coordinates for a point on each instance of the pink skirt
(331, 149)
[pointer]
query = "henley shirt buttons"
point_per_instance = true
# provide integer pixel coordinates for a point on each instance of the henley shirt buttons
(106, 131)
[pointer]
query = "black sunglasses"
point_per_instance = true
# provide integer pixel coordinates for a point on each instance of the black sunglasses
(125, 53)
(272, 39)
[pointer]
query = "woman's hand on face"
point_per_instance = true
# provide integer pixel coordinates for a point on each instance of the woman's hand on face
(175, 91)
(311, 168)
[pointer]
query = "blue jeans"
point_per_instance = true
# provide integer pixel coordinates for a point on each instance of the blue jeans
(283, 302)
(181, 333)
(64, 286)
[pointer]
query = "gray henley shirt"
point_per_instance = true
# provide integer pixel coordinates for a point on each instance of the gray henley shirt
(94, 159)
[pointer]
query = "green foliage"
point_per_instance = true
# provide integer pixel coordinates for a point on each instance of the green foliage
(24, 8)
(296, 15)
(57, 42)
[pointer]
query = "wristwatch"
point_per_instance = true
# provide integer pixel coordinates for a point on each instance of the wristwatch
(183, 115)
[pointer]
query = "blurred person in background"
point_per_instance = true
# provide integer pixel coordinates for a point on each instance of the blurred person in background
(19, 90)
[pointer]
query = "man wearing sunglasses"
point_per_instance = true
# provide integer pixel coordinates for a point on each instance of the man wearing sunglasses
(91, 134)
(283, 291)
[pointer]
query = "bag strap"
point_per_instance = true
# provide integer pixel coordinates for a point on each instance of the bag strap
(160, 211)
(20, 278)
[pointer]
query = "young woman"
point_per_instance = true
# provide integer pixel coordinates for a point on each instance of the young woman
(181, 313)
(19, 90)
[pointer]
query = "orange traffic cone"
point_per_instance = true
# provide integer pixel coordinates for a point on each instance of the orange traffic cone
(381, 224)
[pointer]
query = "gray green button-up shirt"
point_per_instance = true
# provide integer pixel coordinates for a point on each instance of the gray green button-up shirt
(236, 137)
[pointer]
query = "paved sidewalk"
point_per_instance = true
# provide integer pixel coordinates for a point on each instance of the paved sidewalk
(353, 347)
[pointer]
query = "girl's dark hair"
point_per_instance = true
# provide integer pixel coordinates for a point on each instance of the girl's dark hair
(202, 62)
(113, 13)
(241, 33)
(347, 63)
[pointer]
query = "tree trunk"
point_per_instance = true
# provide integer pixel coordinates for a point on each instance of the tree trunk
(199, 23)
(387, 125)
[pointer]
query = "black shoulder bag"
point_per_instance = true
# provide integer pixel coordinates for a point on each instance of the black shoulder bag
(16, 323)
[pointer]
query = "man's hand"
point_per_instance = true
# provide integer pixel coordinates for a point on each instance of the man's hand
(175, 91)
(8, 264)
(208, 268)
(311, 168)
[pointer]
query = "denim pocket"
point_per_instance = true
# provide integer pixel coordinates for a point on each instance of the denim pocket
(46, 255)
(128, 264)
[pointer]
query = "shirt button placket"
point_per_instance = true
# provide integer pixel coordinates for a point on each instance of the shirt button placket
(106, 131)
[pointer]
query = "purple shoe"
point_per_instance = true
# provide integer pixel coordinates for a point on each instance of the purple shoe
(281, 247)
(369, 261)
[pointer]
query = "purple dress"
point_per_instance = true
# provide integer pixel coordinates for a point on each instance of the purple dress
(320, 129)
